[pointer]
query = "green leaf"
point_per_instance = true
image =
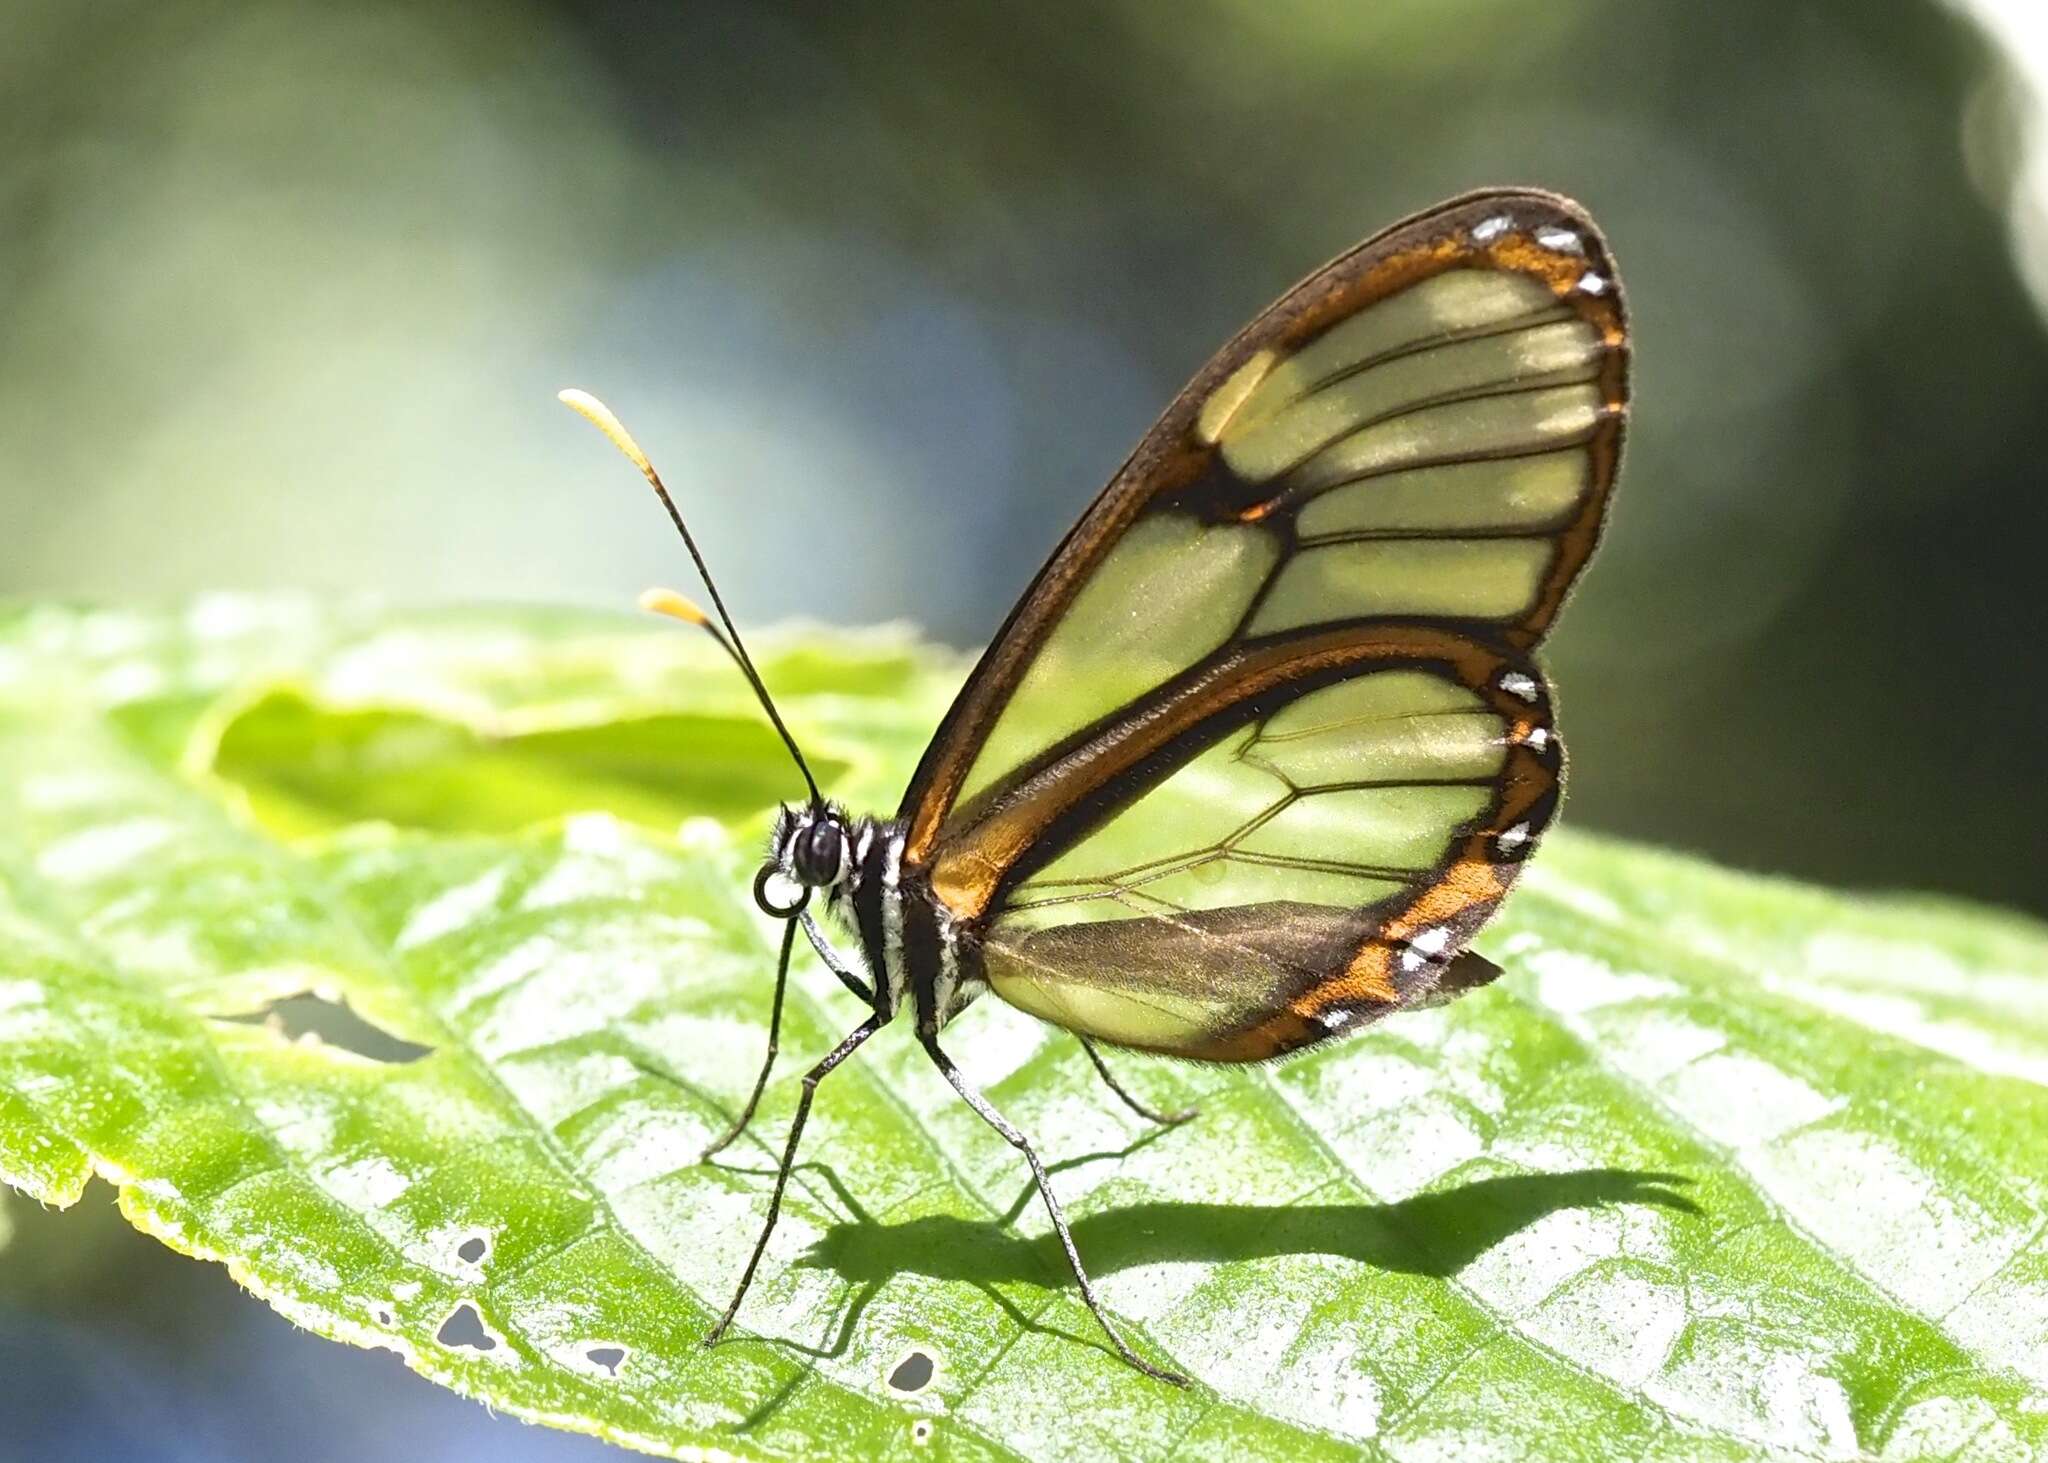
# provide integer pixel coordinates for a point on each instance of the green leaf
(1723, 1167)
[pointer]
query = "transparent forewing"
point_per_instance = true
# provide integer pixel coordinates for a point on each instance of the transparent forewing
(1258, 897)
(1172, 591)
(1424, 431)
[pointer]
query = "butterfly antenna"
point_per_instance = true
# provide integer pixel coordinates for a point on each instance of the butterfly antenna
(667, 601)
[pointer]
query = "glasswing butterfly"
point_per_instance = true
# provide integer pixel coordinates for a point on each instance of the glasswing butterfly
(1263, 744)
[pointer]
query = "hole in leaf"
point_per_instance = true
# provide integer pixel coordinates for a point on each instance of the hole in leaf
(306, 768)
(465, 1329)
(384, 1316)
(608, 1357)
(332, 1022)
(921, 1431)
(913, 1373)
(473, 1249)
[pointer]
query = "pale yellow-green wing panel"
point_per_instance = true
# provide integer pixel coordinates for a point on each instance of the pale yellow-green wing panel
(1171, 591)
(1423, 431)
(1491, 493)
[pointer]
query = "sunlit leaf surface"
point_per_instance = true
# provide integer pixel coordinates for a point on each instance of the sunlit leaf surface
(354, 950)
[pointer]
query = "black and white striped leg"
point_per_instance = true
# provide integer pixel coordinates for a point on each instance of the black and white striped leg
(1164, 1119)
(1022, 1144)
(812, 1078)
(835, 962)
(739, 1124)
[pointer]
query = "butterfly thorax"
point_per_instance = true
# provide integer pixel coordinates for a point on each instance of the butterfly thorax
(919, 958)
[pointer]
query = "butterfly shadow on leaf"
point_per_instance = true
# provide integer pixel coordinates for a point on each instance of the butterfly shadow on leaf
(1435, 1234)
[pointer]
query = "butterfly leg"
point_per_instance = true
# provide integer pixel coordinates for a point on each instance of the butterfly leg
(838, 964)
(1016, 1139)
(1164, 1119)
(812, 1078)
(739, 1124)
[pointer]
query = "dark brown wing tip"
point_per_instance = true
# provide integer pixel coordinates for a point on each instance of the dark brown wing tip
(1467, 973)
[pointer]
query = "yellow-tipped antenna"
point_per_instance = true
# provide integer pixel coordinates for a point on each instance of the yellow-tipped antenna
(681, 607)
(600, 416)
(675, 606)
(667, 601)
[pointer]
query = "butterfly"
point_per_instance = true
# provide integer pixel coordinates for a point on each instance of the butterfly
(1263, 744)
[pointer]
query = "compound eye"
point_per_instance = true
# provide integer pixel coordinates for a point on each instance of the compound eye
(820, 853)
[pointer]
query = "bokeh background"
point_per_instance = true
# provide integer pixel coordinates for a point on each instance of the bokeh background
(890, 288)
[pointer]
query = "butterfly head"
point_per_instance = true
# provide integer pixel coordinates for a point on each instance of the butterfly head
(813, 848)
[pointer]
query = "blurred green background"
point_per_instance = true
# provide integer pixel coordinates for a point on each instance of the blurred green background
(889, 289)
